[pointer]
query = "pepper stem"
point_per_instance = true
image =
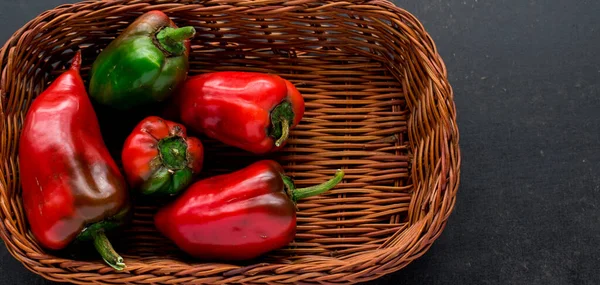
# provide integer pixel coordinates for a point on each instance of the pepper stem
(302, 193)
(171, 39)
(285, 132)
(173, 152)
(108, 253)
(282, 117)
(76, 63)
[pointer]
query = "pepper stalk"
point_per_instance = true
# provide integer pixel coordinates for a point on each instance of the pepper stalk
(297, 194)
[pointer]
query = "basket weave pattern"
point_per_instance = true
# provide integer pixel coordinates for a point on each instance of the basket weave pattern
(378, 105)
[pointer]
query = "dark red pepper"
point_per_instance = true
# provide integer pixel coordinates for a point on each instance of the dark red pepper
(239, 215)
(249, 110)
(159, 158)
(72, 188)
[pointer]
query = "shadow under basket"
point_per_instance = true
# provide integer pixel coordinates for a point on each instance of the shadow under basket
(378, 105)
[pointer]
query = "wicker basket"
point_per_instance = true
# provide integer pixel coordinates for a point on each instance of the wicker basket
(378, 105)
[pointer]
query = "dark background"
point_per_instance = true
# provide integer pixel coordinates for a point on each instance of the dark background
(526, 79)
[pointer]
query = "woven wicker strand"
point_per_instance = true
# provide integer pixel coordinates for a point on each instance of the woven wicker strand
(378, 105)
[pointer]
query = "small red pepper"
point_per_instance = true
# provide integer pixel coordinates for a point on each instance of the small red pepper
(239, 215)
(159, 158)
(73, 191)
(249, 110)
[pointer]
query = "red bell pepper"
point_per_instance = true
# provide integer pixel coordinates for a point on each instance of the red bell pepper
(249, 110)
(72, 188)
(159, 158)
(237, 216)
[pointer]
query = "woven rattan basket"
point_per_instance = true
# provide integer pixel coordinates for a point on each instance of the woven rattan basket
(378, 105)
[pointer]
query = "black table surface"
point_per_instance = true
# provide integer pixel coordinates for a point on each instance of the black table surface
(526, 78)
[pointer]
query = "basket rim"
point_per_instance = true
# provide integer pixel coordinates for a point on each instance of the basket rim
(437, 74)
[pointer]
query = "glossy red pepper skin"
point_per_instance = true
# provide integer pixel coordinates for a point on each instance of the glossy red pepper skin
(159, 158)
(236, 216)
(72, 187)
(248, 110)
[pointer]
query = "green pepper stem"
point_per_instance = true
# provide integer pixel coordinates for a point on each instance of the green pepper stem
(171, 39)
(173, 152)
(282, 117)
(179, 34)
(302, 193)
(285, 132)
(108, 253)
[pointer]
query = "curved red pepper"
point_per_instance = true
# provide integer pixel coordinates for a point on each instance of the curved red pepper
(249, 110)
(237, 216)
(159, 158)
(72, 187)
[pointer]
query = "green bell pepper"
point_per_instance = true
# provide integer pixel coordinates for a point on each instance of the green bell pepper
(143, 65)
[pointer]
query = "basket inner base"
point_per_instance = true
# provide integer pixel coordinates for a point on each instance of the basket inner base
(355, 119)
